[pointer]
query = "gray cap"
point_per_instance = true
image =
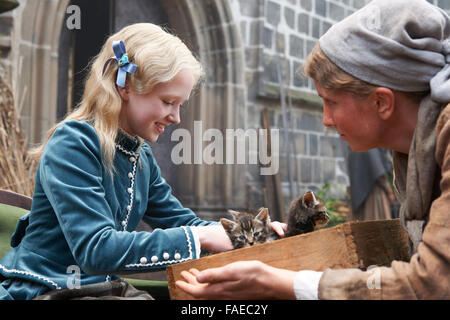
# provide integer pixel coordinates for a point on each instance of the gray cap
(401, 44)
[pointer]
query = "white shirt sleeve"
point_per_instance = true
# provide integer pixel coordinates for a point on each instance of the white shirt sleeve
(198, 248)
(306, 285)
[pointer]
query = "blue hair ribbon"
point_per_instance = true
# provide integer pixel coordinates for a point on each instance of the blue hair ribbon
(124, 64)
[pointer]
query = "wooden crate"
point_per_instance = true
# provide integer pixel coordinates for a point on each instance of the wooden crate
(348, 245)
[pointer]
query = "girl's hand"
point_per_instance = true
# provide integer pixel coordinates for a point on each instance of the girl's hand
(239, 280)
(213, 238)
(279, 227)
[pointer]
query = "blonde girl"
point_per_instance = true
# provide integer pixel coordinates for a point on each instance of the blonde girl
(97, 177)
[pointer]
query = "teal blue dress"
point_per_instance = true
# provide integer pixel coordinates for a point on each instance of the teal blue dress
(83, 219)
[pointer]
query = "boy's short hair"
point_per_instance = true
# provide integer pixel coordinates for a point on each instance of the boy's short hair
(331, 77)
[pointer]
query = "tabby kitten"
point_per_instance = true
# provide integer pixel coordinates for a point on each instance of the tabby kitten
(305, 213)
(249, 228)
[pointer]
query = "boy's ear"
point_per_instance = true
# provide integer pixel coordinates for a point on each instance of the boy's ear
(123, 92)
(385, 102)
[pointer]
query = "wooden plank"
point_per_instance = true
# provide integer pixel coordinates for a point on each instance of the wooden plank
(349, 245)
(273, 194)
(14, 199)
(379, 242)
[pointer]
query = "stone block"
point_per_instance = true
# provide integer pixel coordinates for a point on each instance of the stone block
(328, 170)
(303, 23)
(243, 27)
(316, 28)
(6, 24)
(283, 168)
(305, 166)
(249, 8)
(325, 26)
(270, 69)
(313, 144)
(310, 122)
(358, 4)
(254, 33)
(309, 46)
(289, 17)
(444, 4)
(296, 46)
(252, 83)
(267, 37)
(273, 13)
(237, 65)
(300, 140)
(317, 171)
(321, 8)
(233, 36)
(336, 12)
(280, 43)
(306, 4)
(252, 57)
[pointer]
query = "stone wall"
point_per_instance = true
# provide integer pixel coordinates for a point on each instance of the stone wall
(281, 33)
(241, 43)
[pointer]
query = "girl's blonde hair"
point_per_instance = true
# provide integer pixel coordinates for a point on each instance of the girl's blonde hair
(159, 56)
(331, 77)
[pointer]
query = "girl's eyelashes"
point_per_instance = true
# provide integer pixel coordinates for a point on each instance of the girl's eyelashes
(167, 103)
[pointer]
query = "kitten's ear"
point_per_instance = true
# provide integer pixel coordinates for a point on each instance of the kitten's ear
(263, 215)
(309, 200)
(235, 214)
(227, 224)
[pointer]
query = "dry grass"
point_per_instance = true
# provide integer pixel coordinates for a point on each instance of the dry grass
(16, 168)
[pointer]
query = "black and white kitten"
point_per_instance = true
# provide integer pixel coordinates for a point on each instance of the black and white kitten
(248, 228)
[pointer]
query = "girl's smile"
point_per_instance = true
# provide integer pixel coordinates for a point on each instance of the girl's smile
(147, 115)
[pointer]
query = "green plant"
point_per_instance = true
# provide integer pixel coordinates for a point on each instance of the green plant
(332, 206)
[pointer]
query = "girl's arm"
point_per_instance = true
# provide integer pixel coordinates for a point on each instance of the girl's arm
(71, 176)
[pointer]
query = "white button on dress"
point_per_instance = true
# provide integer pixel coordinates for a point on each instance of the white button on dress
(166, 256)
(143, 260)
(154, 259)
(177, 256)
